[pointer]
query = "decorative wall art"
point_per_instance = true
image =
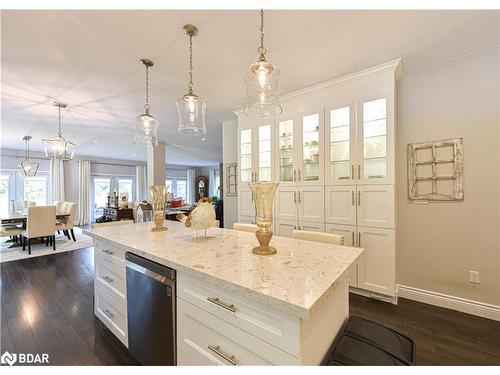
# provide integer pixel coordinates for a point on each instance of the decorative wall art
(232, 179)
(436, 170)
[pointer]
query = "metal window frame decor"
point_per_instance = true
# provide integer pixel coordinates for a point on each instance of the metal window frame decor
(457, 176)
(232, 179)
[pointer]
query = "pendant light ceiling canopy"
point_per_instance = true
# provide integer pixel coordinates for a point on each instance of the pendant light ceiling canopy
(59, 147)
(28, 167)
(146, 126)
(262, 84)
(190, 107)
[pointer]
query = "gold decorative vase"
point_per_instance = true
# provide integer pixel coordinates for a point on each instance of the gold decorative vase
(158, 193)
(263, 195)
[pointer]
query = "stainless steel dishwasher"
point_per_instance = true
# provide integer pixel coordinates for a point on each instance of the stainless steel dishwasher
(151, 311)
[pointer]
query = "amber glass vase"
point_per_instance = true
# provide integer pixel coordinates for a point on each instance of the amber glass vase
(158, 193)
(263, 195)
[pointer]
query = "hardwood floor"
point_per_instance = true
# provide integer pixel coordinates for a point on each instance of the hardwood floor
(46, 307)
(442, 336)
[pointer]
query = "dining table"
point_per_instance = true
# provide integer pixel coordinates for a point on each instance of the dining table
(21, 217)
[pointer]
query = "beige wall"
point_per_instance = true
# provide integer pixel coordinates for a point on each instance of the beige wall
(438, 243)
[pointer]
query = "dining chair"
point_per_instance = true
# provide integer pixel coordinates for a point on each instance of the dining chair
(58, 205)
(10, 231)
(307, 235)
(111, 223)
(67, 225)
(41, 222)
(245, 227)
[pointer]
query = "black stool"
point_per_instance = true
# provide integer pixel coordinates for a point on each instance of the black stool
(363, 342)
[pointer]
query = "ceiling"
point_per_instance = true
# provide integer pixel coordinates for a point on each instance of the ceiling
(89, 59)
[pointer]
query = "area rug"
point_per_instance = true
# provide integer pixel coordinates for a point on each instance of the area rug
(8, 254)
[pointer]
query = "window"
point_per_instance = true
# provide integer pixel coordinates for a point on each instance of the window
(125, 186)
(101, 190)
(169, 186)
(181, 189)
(35, 190)
(102, 186)
(4, 194)
(178, 187)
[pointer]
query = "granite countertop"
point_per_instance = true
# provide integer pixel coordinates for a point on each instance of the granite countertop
(295, 280)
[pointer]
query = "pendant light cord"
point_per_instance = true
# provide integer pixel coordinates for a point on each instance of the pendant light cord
(262, 49)
(59, 133)
(147, 107)
(190, 84)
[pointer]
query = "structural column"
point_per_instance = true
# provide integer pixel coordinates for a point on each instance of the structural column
(156, 164)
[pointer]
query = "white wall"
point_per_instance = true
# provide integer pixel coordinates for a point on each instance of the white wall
(229, 155)
(439, 243)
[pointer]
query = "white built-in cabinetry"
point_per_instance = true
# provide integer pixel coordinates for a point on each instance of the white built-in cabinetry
(333, 152)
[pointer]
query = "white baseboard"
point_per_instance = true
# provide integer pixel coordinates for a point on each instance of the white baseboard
(468, 306)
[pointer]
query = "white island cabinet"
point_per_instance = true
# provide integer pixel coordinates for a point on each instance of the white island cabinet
(233, 307)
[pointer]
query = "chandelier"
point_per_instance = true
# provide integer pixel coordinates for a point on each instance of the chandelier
(28, 166)
(58, 147)
(190, 107)
(146, 126)
(262, 84)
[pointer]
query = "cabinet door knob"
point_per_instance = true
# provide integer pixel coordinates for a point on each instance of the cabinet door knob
(352, 197)
(353, 238)
(294, 197)
(352, 171)
(359, 171)
(359, 197)
(359, 239)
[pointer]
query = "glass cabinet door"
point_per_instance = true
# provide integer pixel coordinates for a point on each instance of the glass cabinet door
(264, 153)
(285, 145)
(311, 136)
(246, 155)
(374, 130)
(341, 140)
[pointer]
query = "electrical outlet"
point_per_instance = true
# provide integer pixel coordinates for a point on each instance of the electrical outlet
(474, 277)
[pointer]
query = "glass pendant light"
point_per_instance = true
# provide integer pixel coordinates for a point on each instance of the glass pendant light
(262, 81)
(28, 166)
(58, 147)
(146, 126)
(191, 108)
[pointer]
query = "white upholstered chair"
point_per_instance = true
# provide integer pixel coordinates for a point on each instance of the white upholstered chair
(58, 205)
(10, 231)
(245, 227)
(41, 222)
(67, 225)
(331, 238)
(111, 223)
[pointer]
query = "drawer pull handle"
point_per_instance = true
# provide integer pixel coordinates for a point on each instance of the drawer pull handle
(109, 252)
(108, 279)
(218, 302)
(108, 313)
(230, 358)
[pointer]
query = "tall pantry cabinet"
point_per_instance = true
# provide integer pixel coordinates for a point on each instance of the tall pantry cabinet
(333, 152)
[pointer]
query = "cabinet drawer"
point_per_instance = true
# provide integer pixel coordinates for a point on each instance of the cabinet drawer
(274, 327)
(207, 340)
(111, 311)
(110, 252)
(112, 274)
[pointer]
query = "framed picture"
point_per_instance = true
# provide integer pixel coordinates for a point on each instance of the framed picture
(231, 179)
(436, 170)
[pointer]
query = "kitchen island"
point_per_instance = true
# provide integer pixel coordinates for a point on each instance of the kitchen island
(233, 307)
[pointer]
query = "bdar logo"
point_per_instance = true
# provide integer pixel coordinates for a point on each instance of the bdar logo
(8, 359)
